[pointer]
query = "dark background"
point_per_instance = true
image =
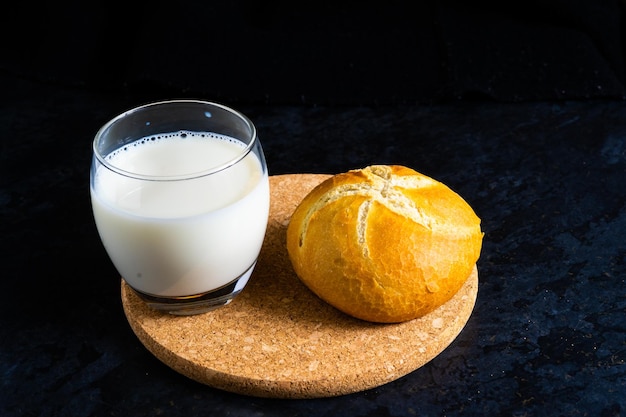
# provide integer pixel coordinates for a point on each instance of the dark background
(320, 52)
(518, 106)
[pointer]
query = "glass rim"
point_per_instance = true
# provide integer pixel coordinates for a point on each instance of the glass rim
(179, 177)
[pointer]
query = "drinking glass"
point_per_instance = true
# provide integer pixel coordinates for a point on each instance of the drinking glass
(180, 197)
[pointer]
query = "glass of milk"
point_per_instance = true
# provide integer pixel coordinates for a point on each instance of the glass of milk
(180, 197)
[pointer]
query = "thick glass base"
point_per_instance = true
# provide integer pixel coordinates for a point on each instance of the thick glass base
(198, 303)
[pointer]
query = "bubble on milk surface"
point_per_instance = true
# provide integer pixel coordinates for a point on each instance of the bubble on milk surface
(182, 134)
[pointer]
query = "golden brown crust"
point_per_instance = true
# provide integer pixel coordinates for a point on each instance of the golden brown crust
(384, 243)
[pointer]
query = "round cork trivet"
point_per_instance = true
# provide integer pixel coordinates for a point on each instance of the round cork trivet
(278, 340)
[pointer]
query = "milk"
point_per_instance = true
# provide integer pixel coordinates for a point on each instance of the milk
(181, 237)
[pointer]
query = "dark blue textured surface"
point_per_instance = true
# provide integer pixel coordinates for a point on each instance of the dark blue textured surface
(548, 334)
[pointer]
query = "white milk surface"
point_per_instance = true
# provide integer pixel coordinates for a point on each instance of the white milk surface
(176, 238)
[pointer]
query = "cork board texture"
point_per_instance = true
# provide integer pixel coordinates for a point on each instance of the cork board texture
(279, 340)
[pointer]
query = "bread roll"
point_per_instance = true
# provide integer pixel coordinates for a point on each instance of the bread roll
(384, 244)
